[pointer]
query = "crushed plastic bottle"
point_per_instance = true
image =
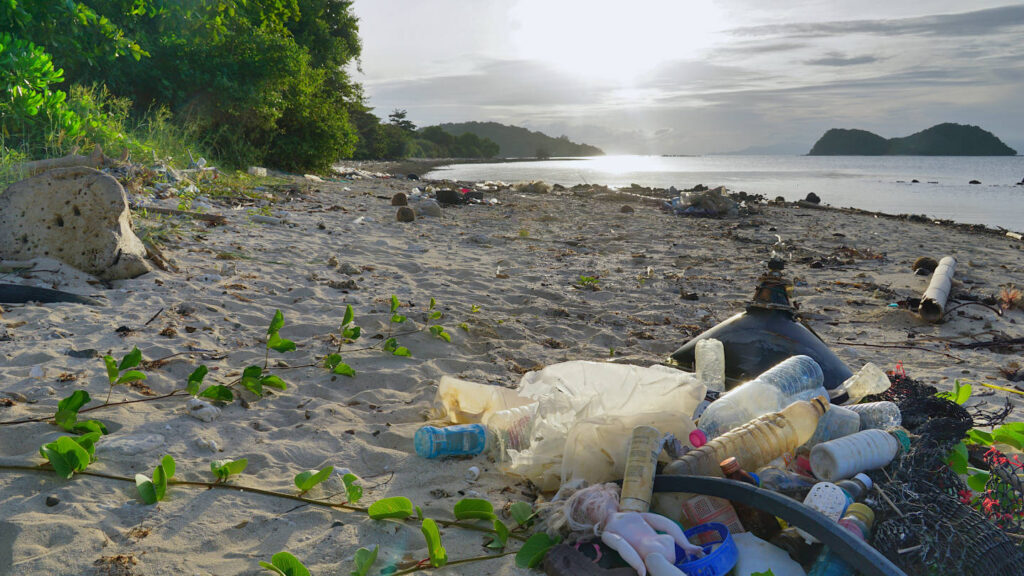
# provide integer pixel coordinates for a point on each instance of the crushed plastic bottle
(870, 379)
(459, 440)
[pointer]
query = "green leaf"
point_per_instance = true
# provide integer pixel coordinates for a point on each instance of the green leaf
(975, 436)
(397, 318)
(305, 481)
(521, 512)
(147, 491)
(977, 482)
(432, 304)
(390, 344)
(1005, 436)
(394, 507)
(276, 323)
(332, 360)
(348, 318)
(500, 535)
(67, 409)
(169, 466)
(66, 456)
(351, 333)
(464, 327)
(285, 564)
(112, 370)
(88, 426)
(131, 360)
(195, 380)
(957, 458)
(87, 442)
(394, 303)
(402, 351)
(160, 482)
(419, 513)
(131, 376)
(534, 549)
(218, 393)
(364, 559)
(252, 381)
(223, 469)
(434, 315)
(436, 330)
(353, 491)
(765, 573)
(279, 344)
(438, 555)
(273, 382)
(344, 370)
(474, 509)
(446, 337)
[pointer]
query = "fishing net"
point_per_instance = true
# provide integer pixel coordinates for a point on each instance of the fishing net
(926, 525)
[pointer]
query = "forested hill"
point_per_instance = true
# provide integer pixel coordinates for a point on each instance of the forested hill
(517, 142)
(941, 140)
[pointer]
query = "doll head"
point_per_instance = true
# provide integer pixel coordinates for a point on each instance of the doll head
(588, 509)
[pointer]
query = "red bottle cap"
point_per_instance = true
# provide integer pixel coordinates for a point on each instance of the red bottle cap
(698, 438)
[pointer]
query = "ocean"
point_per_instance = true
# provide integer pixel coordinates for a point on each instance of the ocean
(878, 183)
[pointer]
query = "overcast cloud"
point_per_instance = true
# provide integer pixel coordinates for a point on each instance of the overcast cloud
(739, 73)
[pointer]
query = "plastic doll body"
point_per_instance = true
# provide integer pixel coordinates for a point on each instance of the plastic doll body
(635, 537)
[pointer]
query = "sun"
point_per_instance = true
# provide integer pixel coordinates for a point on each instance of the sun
(613, 41)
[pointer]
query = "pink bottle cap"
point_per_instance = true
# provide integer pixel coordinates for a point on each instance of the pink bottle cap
(698, 438)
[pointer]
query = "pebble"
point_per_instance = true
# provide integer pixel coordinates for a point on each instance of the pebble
(349, 269)
(86, 353)
(210, 445)
(347, 284)
(473, 473)
(52, 500)
(202, 410)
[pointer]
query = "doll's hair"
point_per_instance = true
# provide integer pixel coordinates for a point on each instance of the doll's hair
(587, 509)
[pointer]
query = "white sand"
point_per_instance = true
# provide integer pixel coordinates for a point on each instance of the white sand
(517, 262)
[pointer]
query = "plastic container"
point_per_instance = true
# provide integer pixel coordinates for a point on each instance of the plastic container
(829, 563)
(757, 442)
(710, 364)
(842, 458)
(464, 402)
(459, 440)
(797, 378)
(856, 488)
(510, 429)
(836, 423)
(756, 556)
(785, 482)
(719, 551)
(638, 479)
(701, 509)
(870, 379)
(878, 415)
(828, 499)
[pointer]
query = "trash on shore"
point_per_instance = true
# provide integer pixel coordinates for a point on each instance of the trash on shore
(934, 299)
(703, 203)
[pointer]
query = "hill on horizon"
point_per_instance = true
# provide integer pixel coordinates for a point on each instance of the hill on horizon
(946, 139)
(518, 142)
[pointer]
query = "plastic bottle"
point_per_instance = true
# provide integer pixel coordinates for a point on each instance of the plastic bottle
(827, 498)
(796, 378)
(710, 363)
(758, 522)
(465, 402)
(836, 423)
(844, 457)
(510, 429)
(638, 480)
(829, 563)
(856, 488)
(869, 380)
(878, 415)
(757, 442)
(702, 509)
(785, 482)
(459, 440)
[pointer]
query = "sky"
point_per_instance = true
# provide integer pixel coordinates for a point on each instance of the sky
(698, 76)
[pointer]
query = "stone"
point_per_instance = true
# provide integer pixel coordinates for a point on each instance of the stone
(427, 207)
(350, 270)
(405, 214)
(4, 335)
(52, 500)
(77, 215)
(812, 198)
(257, 171)
(346, 284)
(400, 199)
(626, 209)
(925, 265)
(202, 410)
(974, 182)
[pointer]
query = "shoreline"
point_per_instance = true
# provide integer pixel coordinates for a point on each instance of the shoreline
(509, 273)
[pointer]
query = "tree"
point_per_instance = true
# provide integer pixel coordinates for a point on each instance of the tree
(397, 118)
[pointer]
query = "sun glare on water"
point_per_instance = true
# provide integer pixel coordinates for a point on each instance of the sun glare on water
(613, 41)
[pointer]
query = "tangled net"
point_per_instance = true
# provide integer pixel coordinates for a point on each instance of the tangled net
(927, 526)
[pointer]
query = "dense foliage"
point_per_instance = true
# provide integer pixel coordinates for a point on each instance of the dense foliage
(517, 142)
(252, 81)
(941, 140)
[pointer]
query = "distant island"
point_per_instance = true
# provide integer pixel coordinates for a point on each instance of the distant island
(941, 140)
(518, 142)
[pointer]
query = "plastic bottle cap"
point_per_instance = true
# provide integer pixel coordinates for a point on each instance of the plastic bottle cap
(698, 438)
(865, 479)
(862, 511)
(729, 465)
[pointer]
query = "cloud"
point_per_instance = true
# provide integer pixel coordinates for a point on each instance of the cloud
(838, 59)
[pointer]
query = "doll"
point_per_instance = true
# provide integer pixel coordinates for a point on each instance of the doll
(634, 535)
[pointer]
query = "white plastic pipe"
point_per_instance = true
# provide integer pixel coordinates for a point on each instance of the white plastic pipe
(934, 299)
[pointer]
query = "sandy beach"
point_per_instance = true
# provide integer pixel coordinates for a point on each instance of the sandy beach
(506, 278)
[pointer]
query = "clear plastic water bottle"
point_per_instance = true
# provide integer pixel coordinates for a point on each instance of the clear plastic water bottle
(856, 488)
(510, 430)
(878, 415)
(710, 363)
(460, 440)
(829, 563)
(870, 379)
(836, 423)
(796, 378)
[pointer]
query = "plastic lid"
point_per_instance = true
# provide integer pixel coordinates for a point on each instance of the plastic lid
(698, 438)
(862, 511)
(865, 479)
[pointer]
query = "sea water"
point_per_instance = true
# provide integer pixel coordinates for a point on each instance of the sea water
(877, 183)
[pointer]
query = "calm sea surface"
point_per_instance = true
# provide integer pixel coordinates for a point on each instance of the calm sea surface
(871, 183)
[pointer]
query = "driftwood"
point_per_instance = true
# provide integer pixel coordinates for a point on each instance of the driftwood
(94, 160)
